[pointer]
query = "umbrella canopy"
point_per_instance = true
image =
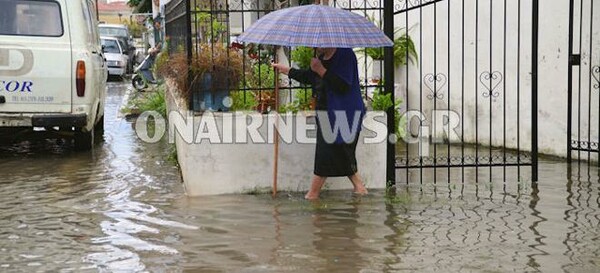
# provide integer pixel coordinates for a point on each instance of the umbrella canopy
(315, 26)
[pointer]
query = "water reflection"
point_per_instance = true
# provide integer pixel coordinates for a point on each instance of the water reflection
(122, 208)
(336, 239)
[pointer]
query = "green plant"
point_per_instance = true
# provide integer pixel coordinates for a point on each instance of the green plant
(302, 55)
(140, 6)
(172, 155)
(304, 98)
(224, 64)
(301, 102)
(261, 80)
(211, 30)
(404, 47)
(149, 101)
(402, 198)
(161, 61)
(243, 100)
(383, 102)
(262, 76)
(135, 29)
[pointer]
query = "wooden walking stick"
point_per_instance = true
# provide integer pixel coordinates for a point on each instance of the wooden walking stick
(276, 134)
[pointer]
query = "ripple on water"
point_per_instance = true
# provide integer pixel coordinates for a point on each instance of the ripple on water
(122, 208)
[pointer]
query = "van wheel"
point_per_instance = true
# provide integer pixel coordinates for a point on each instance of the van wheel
(83, 140)
(99, 127)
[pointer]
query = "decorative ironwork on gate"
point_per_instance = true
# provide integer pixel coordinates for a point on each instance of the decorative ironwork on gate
(583, 122)
(468, 94)
(476, 100)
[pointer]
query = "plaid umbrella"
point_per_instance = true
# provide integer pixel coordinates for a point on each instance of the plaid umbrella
(315, 26)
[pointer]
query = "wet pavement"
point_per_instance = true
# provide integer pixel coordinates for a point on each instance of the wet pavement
(122, 207)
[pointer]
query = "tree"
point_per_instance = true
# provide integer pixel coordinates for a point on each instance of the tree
(140, 6)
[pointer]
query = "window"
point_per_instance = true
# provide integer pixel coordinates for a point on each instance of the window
(30, 18)
(90, 20)
(113, 31)
(111, 46)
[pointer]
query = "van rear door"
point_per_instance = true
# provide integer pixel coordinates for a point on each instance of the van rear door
(35, 57)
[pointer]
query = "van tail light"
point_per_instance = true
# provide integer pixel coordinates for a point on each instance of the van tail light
(80, 78)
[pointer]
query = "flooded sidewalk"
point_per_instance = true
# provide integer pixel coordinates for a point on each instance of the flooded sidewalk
(122, 207)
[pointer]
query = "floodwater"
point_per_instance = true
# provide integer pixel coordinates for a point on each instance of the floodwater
(122, 208)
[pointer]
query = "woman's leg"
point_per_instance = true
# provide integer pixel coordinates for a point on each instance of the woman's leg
(359, 187)
(315, 187)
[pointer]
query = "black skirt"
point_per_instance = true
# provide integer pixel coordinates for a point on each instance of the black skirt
(335, 160)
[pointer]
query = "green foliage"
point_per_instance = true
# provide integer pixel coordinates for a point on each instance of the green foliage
(172, 155)
(161, 61)
(304, 98)
(302, 55)
(211, 29)
(141, 6)
(149, 101)
(243, 101)
(263, 76)
(136, 30)
(301, 102)
(383, 102)
(393, 198)
(404, 47)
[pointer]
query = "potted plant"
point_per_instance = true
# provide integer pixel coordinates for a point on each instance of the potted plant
(302, 57)
(404, 50)
(216, 70)
(261, 80)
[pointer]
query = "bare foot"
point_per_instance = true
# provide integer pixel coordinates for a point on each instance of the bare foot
(360, 190)
(315, 188)
(359, 187)
(311, 196)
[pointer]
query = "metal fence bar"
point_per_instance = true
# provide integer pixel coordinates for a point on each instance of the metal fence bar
(435, 86)
(591, 67)
(570, 85)
(580, 140)
(388, 29)
(534, 89)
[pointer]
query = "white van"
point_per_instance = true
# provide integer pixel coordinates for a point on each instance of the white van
(52, 69)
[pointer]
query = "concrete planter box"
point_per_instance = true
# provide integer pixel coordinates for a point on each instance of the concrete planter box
(216, 168)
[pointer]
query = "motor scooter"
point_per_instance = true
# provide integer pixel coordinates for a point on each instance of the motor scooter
(143, 76)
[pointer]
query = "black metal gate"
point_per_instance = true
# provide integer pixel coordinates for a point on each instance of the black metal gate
(584, 81)
(468, 82)
(472, 94)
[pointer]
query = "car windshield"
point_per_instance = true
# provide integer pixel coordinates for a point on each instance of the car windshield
(111, 46)
(113, 31)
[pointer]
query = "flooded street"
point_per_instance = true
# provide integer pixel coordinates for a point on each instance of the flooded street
(123, 208)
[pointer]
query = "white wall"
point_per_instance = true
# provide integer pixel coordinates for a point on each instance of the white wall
(209, 169)
(446, 42)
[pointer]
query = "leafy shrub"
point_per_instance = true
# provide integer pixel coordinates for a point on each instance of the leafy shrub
(383, 102)
(148, 101)
(302, 55)
(224, 64)
(243, 100)
(301, 102)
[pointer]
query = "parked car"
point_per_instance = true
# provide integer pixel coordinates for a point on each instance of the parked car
(116, 60)
(122, 33)
(52, 70)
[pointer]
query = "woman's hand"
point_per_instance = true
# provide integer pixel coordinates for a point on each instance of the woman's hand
(282, 68)
(317, 67)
